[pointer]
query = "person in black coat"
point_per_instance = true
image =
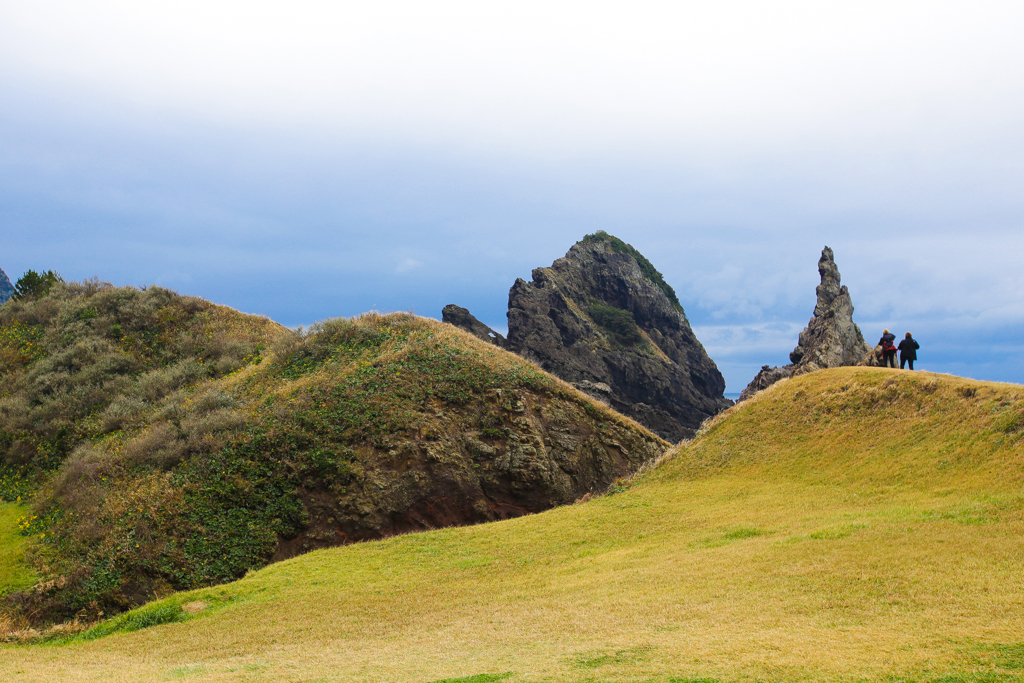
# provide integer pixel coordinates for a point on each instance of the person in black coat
(908, 351)
(888, 349)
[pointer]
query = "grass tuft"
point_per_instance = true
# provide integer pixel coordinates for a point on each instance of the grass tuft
(478, 678)
(136, 620)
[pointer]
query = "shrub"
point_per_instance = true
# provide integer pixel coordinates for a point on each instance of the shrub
(82, 360)
(33, 284)
(618, 322)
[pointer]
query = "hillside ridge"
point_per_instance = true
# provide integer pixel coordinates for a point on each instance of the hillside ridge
(190, 444)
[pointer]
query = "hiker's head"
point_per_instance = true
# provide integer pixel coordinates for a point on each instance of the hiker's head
(885, 331)
(908, 335)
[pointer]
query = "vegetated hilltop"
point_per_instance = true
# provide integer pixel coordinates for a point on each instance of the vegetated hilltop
(82, 361)
(89, 362)
(604, 319)
(359, 429)
(844, 525)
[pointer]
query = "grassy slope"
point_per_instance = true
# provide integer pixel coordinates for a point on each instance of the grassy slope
(850, 524)
(15, 574)
(90, 363)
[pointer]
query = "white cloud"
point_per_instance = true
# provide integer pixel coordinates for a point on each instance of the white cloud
(542, 73)
(408, 264)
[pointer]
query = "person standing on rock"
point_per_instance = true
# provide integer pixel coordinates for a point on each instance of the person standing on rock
(908, 351)
(888, 349)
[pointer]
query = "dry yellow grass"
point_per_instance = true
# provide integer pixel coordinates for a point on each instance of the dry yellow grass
(848, 525)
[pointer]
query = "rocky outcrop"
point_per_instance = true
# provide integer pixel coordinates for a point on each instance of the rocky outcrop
(765, 378)
(603, 319)
(831, 338)
(462, 318)
(875, 358)
(6, 288)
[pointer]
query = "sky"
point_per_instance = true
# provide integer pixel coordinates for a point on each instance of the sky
(312, 160)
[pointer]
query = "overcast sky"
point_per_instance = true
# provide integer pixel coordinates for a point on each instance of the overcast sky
(312, 160)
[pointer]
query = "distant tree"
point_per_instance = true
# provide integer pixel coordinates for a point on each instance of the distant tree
(33, 284)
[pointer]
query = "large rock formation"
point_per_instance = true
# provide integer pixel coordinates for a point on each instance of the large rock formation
(603, 319)
(831, 338)
(6, 288)
(461, 317)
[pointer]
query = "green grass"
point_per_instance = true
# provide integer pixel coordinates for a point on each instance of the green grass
(841, 509)
(15, 574)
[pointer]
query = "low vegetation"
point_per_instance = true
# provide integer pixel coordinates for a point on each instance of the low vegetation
(85, 361)
(846, 525)
(617, 322)
(88, 363)
(165, 443)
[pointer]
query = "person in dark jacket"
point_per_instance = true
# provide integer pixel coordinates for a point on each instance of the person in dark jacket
(908, 351)
(888, 349)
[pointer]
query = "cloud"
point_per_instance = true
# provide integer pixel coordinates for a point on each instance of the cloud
(539, 74)
(408, 264)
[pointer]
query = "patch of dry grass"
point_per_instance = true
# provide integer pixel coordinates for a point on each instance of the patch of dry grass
(847, 525)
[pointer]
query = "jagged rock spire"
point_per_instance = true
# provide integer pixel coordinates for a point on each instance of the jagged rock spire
(829, 289)
(831, 338)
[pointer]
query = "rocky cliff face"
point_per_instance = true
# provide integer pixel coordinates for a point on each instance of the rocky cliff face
(603, 319)
(6, 288)
(831, 338)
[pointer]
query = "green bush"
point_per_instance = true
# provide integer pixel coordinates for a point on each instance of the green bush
(33, 284)
(618, 322)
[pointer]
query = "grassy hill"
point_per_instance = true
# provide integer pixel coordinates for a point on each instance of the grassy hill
(847, 525)
(84, 364)
(167, 443)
